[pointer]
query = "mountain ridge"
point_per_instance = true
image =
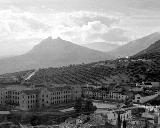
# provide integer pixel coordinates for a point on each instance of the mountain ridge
(136, 46)
(101, 46)
(50, 53)
(152, 52)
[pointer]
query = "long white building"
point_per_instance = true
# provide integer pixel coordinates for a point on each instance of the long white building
(38, 97)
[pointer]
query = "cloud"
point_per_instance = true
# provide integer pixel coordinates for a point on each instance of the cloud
(82, 18)
(18, 25)
(22, 24)
(144, 4)
(116, 35)
(95, 31)
(84, 21)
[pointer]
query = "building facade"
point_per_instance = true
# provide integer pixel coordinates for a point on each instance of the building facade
(121, 96)
(32, 98)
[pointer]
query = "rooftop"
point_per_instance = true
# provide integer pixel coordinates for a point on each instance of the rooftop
(29, 92)
(17, 87)
(59, 88)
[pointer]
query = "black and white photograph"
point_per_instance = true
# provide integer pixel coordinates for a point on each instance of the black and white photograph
(79, 63)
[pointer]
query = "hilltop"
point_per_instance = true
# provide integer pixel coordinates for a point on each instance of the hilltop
(51, 53)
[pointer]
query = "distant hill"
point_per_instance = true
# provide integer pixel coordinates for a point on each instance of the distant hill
(152, 52)
(136, 46)
(50, 53)
(102, 73)
(101, 46)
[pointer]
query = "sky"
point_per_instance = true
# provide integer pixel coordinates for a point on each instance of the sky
(24, 23)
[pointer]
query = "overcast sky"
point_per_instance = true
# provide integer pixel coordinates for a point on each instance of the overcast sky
(23, 23)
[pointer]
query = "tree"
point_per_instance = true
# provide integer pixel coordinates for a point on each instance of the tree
(124, 124)
(35, 120)
(128, 102)
(89, 108)
(78, 105)
(20, 78)
(146, 124)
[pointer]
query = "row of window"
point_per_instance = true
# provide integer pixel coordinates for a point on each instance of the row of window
(60, 97)
(31, 106)
(32, 96)
(12, 92)
(60, 101)
(58, 93)
(118, 97)
(32, 101)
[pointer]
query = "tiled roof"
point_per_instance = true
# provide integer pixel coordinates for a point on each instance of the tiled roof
(17, 87)
(29, 92)
(59, 88)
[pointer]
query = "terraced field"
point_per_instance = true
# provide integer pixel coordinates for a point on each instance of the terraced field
(77, 74)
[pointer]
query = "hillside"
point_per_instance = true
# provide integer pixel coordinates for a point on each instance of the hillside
(136, 46)
(152, 52)
(144, 66)
(17, 74)
(51, 53)
(14, 78)
(100, 73)
(101, 46)
(103, 73)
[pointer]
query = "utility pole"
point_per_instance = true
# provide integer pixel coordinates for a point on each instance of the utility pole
(119, 120)
(124, 124)
(119, 117)
(146, 124)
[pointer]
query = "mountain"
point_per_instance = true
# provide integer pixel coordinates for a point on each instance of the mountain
(136, 46)
(101, 46)
(152, 52)
(51, 52)
(103, 73)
